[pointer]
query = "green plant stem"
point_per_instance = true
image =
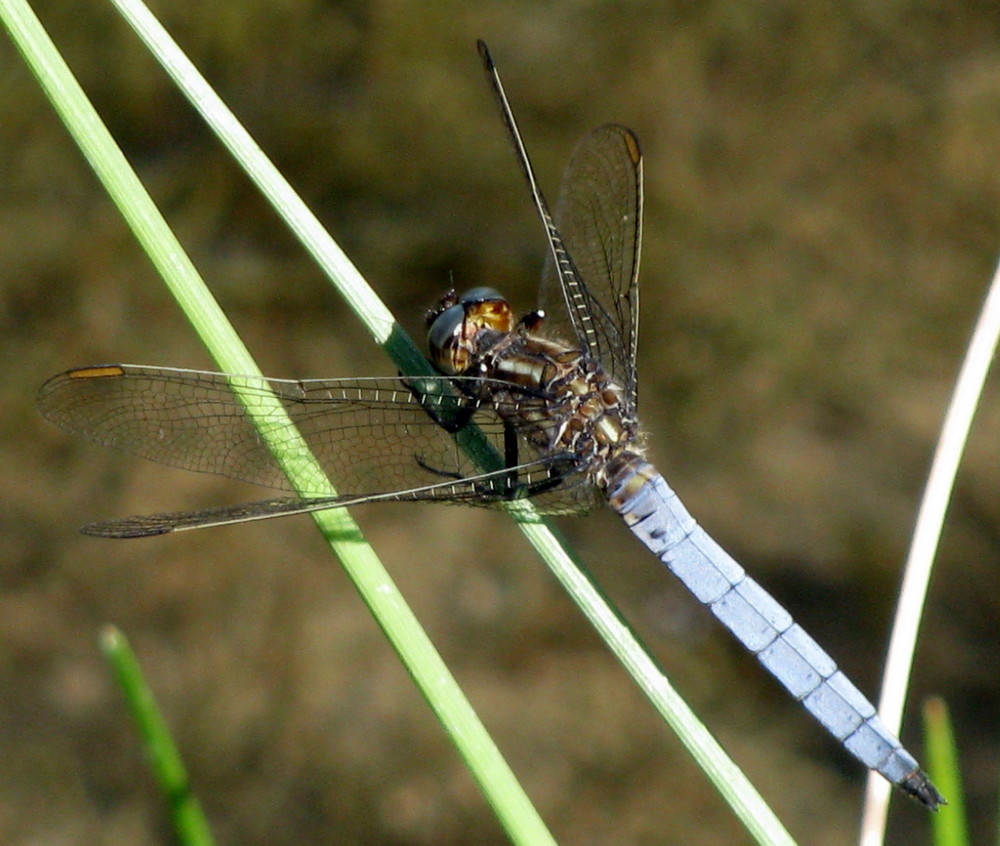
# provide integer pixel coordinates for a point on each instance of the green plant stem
(189, 822)
(951, 828)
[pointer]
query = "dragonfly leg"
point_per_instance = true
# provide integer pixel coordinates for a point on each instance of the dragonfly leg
(502, 485)
(444, 474)
(515, 489)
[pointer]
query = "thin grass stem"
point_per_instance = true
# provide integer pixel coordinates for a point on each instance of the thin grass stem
(926, 536)
(188, 819)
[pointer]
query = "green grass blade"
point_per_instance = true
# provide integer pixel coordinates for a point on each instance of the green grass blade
(190, 825)
(951, 827)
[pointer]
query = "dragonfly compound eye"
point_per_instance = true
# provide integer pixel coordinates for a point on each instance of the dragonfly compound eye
(449, 350)
(453, 338)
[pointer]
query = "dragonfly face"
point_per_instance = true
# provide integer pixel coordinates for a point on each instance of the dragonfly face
(455, 324)
(514, 414)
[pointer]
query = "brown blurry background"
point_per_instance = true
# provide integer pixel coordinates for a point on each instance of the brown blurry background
(823, 215)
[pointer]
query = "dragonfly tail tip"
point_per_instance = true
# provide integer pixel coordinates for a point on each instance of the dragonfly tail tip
(919, 786)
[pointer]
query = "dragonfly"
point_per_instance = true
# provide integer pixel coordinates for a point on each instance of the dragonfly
(516, 411)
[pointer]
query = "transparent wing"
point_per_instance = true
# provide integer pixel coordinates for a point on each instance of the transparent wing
(599, 215)
(596, 257)
(372, 436)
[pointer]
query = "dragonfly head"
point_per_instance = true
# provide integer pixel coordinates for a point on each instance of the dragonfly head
(456, 322)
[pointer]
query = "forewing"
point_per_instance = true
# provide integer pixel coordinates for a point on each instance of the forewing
(372, 436)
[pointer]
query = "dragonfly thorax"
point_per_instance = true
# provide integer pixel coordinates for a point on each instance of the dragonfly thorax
(562, 401)
(558, 398)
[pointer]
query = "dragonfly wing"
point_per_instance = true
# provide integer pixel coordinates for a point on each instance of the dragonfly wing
(372, 436)
(492, 489)
(599, 215)
(558, 257)
(594, 249)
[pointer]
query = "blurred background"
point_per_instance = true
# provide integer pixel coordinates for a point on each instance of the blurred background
(823, 216)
